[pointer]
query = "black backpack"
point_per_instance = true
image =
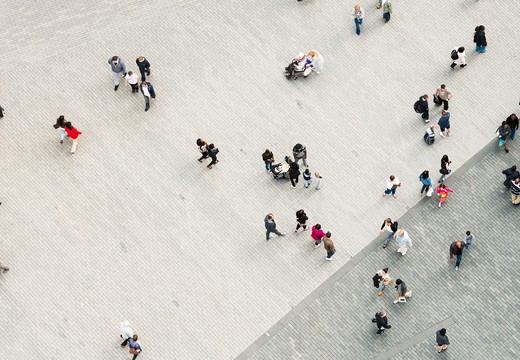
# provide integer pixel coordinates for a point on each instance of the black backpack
(394, 226)
(454, 55)
(298, 148)
(417, 106)
(377, 278)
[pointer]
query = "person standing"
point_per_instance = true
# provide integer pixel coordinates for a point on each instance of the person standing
(329, 246)
(403, 241)
(426, 182)
(301, 220)
(392, 183)
(381, 280)
(458, 55)
(144, 67)
(212, 152)
(387, 10)
(357, 15)
(445, 168)
(512, 121)
(73, 133)
(515, 191)
(456, 249)
(444, 124)
(294, 173)
(442, 340)
(423, 109)
(270, 226)
(468, 240)
(503, 132)
(317, 235)
(391, 228)
(268, 158)
(315, 60)
(300, 153)
(318, 177)
(118, 69)
(133, 80)
(203, 148)
(381, 321)
(148, 92)
(126, 332)
(60, 124)
(511, 174)
(442, 96)
(307, 178)
(401, 291)
(479, 38)
(442, 191)
(135, 346)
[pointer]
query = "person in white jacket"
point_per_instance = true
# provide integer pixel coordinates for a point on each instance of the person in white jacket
(403, 241)
(316, 61)
(461, 60)
(126, 332)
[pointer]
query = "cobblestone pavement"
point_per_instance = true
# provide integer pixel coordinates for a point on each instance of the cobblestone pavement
(132, 227)
(477, 304)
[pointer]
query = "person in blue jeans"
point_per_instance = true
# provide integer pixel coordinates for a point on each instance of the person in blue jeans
(426, 181)
(480, 39)
(456, 249)
(468, 239)
(512, 121)
(357, 15)
(391, 228)
(268, 158)
(135, 346)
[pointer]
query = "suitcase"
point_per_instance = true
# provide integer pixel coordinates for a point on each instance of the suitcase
(429, 136)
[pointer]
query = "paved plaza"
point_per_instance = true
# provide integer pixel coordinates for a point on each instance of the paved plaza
(133, 227)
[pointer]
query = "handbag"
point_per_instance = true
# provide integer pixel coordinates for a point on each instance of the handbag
(429, 193)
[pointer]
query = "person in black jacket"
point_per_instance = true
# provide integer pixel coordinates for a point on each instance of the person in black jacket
(148, 92)
(423, 108)
(442, 340)
(301, 220)
(294, 173)
(512, 121)
(445, 168)
(480, 39)
(511, 174)
(391, 228)
(382, 322)
(212, 152)
(144, 67)
(2, 110)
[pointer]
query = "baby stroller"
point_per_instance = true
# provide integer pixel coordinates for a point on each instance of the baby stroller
(292, 71)
(281, 170)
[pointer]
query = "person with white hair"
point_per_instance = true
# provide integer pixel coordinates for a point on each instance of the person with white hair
(300, 61)
(403, 241)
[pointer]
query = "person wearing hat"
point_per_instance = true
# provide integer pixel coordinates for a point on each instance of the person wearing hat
(357, 15)
(118, 69)
(144, 67)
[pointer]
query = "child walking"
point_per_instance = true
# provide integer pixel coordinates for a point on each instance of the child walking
(468, 239)
(442, 191)
(307, 178)
(318, 177)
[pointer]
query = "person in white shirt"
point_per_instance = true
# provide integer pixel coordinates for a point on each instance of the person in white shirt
(461, 60)
(357, 15)
(133, 80)
(392, 183)
(126, 332)
(148, 92)
(316, 61)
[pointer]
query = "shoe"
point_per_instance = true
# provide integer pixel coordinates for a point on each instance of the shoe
(380, 332)
(426, 121)
(449, 134)
(61, 141)
(295, 230)
(403, 253)
(398, 250)
(396, 301)
(209, 166)
(282, 234)
(380, 292)
(199, 160)
(374, 320)
(115, 87)
(395, 196)
(5, 269)
(148, 73)
(442, 135)
(384, 246)
(269, 238)
(378, 7)
(507, 151)
(328, 259)
(439, 205)
(456, 268)
(303, 229)
(293, 187)
(316, 246)
(146, 109)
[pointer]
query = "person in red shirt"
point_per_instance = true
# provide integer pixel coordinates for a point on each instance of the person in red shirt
(73, 133)
(317, 234)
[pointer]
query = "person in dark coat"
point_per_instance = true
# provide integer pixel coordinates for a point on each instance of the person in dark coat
(268, 158)
(442, 340)
(294, 173)
(382, 322)
(456, 249)
(270, 227)
(148, 92)
(2, 111)
(512, 121)
(423, 108)
(144, 67)
(212, 152)
(480, 39)
(511, 174)
(301, 220)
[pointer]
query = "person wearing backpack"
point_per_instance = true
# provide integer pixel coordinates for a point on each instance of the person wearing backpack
(421, 107)
(212, 152)
(391, 228)
(300, 153)
(479, 38)
(458, 55)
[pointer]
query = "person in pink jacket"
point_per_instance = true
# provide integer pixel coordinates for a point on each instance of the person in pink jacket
(317, 234)
(442, 191)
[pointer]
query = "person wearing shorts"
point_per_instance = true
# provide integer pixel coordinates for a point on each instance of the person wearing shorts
(444, 124)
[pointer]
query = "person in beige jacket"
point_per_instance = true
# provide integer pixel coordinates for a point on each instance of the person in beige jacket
(329, 246)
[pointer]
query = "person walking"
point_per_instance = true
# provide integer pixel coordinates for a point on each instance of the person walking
(294, 173)
(317, 235)
(60, 124)
(268, 158)
(479, 38)
(381, 321)
(445, 168)
(515, 191)
(270, 226)
(442, 191)
(212, 153)
(307, 178)
(442, 96)
(511, 174)
(456, 249)
(318, 177)
(401, 292)
(135, 346)
(503, 132)
(118, 69)
(148, 92)
(444, 124)
(2, 112)
(300, 153)
(391, 228)
(458, 55)
(133, 80)
(422, 108)
(469, 238)
(392, 183)
(73, 133)
(144, 67)
(357, 15)
(381, 280)
(126, 332)
(442, 340)
(316, 61)
(403, 241)
(512, 121)
(203, 148)
(387, 11)
(426, 182)
(329, 246)
(301, 220)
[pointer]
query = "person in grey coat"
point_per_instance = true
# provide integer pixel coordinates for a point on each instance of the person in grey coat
(118, 69)
(442, 340)
(270, 226)
(401, 291)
